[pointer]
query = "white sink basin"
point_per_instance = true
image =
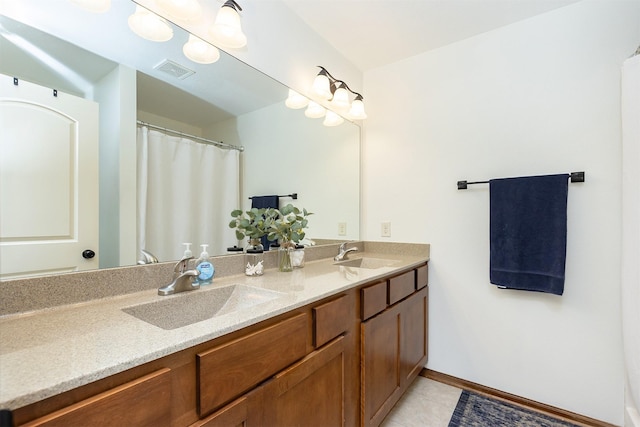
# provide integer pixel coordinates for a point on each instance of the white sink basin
(366, 262)
(187, 308)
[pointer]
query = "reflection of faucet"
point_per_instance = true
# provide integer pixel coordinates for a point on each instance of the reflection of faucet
(344, 252)
(183, 279)
(147, 258)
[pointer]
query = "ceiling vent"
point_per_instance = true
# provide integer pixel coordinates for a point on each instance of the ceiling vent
(174, 69)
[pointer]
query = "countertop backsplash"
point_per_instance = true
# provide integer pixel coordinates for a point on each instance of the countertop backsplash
(38, 293)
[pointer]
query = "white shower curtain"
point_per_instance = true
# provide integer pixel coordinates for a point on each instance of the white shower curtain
(186, 192)
(631, 235)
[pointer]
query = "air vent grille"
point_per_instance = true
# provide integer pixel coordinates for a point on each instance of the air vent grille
(174, 69)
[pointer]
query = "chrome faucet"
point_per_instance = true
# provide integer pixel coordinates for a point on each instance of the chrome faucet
(183, 279)
(344, 252)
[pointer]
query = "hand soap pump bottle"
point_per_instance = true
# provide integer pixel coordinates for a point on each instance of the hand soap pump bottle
(184, 262)
(187, 250)
(204, 267)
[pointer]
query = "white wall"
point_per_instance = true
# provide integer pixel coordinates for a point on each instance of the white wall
(631, 236)
(126, 135)
(301, 156)
(539, 96)
(117, 167)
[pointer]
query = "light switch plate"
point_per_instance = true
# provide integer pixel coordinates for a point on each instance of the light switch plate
(342, 229)
(386, 229)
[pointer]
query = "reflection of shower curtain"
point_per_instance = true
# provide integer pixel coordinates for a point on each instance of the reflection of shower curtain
(631, 234)
(186, 192)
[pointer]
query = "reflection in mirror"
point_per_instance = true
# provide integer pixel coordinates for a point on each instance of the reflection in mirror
(54, 44)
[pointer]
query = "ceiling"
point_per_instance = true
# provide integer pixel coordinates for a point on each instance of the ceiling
(372, 33)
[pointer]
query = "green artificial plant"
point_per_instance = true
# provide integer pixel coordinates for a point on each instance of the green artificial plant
(286, 225)
(252, 224)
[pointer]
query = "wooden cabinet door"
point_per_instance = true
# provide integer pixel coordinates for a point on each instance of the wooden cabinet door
(245, 411)
(310, 392)
(380, 361)
(394, 350)
(413, 336)
(143, 402)
(234, 414)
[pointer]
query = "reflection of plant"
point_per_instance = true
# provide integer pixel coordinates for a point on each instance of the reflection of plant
(253, 223)
(287, 225)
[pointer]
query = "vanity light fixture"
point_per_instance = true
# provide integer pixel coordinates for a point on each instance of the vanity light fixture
(95, 6)
(200, 51)
(338, 92)
(326, 87)
(150, 26)
(315, 110)
(332, 119)
(183, 10)
(226, 29)
(295, 100)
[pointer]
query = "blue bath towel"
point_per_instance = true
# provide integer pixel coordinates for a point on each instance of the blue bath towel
(528, 232)
(261, 202)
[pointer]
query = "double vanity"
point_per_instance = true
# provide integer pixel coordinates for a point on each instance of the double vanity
(333, 343)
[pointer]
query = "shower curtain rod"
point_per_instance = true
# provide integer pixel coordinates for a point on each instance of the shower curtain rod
(197, 138)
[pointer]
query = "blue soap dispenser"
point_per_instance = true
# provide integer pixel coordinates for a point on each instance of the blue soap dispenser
(205, 268)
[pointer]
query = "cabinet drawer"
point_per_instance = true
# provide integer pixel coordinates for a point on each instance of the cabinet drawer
(401, 286)
(227, 371)
(373, 300)
(330, 320)
(142, 402)
(422, 277)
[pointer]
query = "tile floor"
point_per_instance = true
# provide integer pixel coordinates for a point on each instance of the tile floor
(426, 403)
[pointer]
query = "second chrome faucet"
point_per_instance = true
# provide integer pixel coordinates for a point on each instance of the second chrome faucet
(342, 255)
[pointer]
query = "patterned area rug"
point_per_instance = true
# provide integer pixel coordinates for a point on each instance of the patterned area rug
(474, 410)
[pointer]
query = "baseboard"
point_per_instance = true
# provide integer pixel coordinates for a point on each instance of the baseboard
(562, 414)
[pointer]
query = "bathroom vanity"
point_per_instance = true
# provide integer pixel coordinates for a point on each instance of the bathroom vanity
(329, 344)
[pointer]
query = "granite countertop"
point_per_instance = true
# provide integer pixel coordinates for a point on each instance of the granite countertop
(49, 351)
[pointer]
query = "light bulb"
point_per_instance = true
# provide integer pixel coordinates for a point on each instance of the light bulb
(357, 109)
(185, 10)
(314, 110)
(340, 98)
(295, 100)
(332, 119)
(95, 6)
(226, 29)
(320, 86)
(200, 51)
(149, 26)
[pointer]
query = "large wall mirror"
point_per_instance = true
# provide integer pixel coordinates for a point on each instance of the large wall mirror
(57, 45)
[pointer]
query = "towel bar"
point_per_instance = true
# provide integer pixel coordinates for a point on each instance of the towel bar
(294, 196)
(575, 177)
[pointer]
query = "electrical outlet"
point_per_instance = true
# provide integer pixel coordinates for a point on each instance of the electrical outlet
(342, 229)
(386, 229)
